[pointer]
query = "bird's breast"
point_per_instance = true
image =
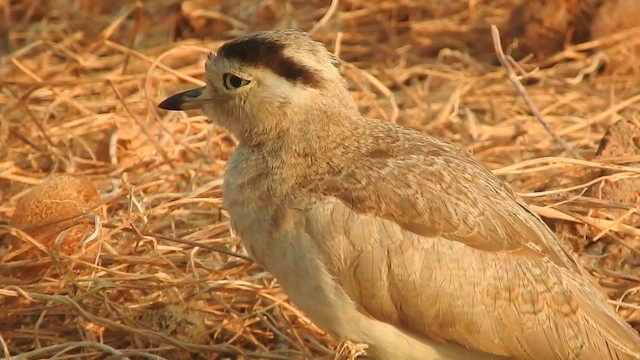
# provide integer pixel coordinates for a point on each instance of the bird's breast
(258, 215)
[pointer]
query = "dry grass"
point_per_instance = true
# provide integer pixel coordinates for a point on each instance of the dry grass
(158, 273)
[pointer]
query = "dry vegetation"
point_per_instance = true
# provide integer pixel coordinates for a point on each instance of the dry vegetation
(150, 268)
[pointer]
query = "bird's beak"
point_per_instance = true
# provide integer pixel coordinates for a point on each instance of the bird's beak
(190, 99)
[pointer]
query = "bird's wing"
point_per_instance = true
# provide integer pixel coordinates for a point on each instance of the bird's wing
(451, 246)
(437, 190)
(496, 302)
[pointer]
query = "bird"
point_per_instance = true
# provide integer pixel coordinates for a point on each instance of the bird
(382, 234)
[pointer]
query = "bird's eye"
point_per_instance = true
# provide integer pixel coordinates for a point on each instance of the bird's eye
(233, 81)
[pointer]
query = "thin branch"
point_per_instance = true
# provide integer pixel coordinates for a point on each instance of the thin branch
(327, 16)
(497, 44)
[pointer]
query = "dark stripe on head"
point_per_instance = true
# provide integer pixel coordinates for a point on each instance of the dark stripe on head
(259, 50)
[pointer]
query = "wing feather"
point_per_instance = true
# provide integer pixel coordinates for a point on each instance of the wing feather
(435, 189)
(421, 235)
(495, 302)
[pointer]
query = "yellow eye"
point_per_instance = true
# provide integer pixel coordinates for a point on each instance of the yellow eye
(232, 82)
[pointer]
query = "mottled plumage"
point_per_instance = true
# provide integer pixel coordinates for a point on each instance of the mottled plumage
(387, 236)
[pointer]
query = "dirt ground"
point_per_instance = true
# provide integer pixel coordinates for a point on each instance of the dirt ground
(131, 255)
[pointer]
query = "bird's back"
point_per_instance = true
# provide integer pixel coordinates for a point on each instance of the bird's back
(422, 236)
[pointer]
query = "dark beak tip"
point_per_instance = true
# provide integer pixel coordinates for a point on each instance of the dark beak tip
(189, 99)
(172, 103)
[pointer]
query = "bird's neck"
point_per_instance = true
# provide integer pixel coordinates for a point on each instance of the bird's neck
(316, 148)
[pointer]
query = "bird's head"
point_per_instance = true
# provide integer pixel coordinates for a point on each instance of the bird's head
(266, 84)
